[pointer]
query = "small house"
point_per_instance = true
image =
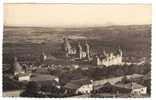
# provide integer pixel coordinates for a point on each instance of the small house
(132, 88)
(82, 86)
(23, 77)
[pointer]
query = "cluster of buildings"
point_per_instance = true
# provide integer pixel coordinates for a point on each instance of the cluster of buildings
(81, 86)
(108, 59)
(82, 51)
(87, 86)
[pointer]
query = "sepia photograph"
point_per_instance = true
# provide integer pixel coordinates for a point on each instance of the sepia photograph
(76, 50)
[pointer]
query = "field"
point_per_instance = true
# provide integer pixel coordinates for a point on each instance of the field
(28, 42)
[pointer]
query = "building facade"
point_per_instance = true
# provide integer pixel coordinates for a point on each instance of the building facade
(82, 86)
(23, 77)
(132, 88)
(81, 51)
(108, 59)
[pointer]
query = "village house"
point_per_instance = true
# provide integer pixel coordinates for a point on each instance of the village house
(23, 77)
(82, 86)
(46, 79)
(132, 88)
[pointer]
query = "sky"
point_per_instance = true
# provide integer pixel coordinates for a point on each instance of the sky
(67, 15)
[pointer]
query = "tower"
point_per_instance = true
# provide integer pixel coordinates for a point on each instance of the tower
(119, 56)
(43, 57)
(120, 52)
(79, 51)
(66, 47)
(87, 50)
(96, 60)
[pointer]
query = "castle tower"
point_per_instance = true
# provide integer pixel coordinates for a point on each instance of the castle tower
(120, 52)
(43, 57)
(96, 60)
(104, 53)
(120, 55)
(79, 51)
(66, 47)
(87, 50)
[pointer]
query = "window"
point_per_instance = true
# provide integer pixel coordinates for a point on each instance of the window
(142, 89)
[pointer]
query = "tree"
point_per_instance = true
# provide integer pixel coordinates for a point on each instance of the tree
(124, 79)
(32, 89)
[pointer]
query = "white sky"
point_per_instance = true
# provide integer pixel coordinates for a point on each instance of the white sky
(75, 15)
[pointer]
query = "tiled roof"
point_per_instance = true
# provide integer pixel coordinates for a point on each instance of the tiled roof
(74, 84)
(43, 77)
(134, 76)
(23, 74)
(131, 85)
(147, 76)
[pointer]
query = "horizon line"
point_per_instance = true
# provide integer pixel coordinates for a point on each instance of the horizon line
(75, 26)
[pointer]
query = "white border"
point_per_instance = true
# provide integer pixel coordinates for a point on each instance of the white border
(1, 39)
(78, 1)
(153, 96)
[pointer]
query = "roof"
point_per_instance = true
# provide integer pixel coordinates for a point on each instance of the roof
(147, 76)
(49, 83)
(23, 74)
(131, 85)
(108, 51)
(134, 76)
(43, 77)
(98, 87)
(74, 84)
(80, 96)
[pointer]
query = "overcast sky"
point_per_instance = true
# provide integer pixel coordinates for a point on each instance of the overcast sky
(54, 15)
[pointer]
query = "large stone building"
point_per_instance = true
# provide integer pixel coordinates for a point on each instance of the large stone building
(80, 51)
(108, 59)
(67, 48)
